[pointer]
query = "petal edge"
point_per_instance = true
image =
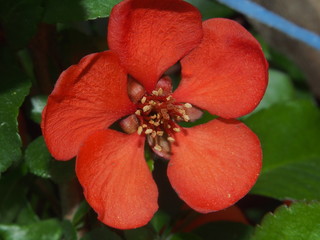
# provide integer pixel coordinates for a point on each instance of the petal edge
(227, 74)
(117, 183)
(150, 36)
(215, 164)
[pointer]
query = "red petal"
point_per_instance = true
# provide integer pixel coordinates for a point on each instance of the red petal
(227, 73)
(116, 179)
(215, 164)
(88, 96)
(150, 36)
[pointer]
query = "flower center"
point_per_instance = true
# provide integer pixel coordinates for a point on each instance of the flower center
(158, 115)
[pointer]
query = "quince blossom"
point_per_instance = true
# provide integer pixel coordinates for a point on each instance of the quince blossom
(211, 166)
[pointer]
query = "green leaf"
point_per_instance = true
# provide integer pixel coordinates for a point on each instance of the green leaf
(297, 181)
(290, 139)
(224, 230)
(40, 162)
(38, 158)
(80, 213)
(14, 86)
(13, 195)
(185, 236)
(20, 19)
(143, 233)
(211, 9)
(69, 232)
(160, 221)
(299, 221)
(37, 105)
(26, 214)
(58, 11)
(102, 233)
(280, 89)
(42, 230)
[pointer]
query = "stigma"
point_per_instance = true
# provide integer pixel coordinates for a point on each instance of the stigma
(157, 115)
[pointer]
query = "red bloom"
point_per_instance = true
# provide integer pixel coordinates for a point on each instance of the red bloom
(211, 165)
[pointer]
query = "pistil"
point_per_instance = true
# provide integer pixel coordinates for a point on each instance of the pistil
(158, 115)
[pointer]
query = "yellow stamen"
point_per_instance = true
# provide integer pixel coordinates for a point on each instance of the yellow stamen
(160, 133)
(188, 105)
(140, 129)
(148, 131)
(146, 108)
(176, 129)
(157, 147)
(138, 112)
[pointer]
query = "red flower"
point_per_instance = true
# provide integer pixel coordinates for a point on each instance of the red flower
(211, 165)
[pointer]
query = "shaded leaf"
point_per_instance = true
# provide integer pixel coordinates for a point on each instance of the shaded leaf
(40, 162)
(290, 139)
(69, 232)
(26, 214)
(102, 233)
(58, 11)
(80, 213)
(280, 89)
(13, 203)
(299, 221)
(224, 230)
(38, 158)
(160, 221)
(143, 233)
(20, 19)
(14, 86)
(297, 181)
(185, 236)
(42, 230)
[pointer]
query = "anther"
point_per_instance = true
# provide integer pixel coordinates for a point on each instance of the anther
(144, 125)
(140, 129)
(186, 117)
(143, 100)
(157, 147)
(188, 105)
(148, 131)
(138, 112)
(160, 133)
(154, 92)
(152, 102)
(171, 139)
(160, 91)
(176, 129)
(146, 108)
